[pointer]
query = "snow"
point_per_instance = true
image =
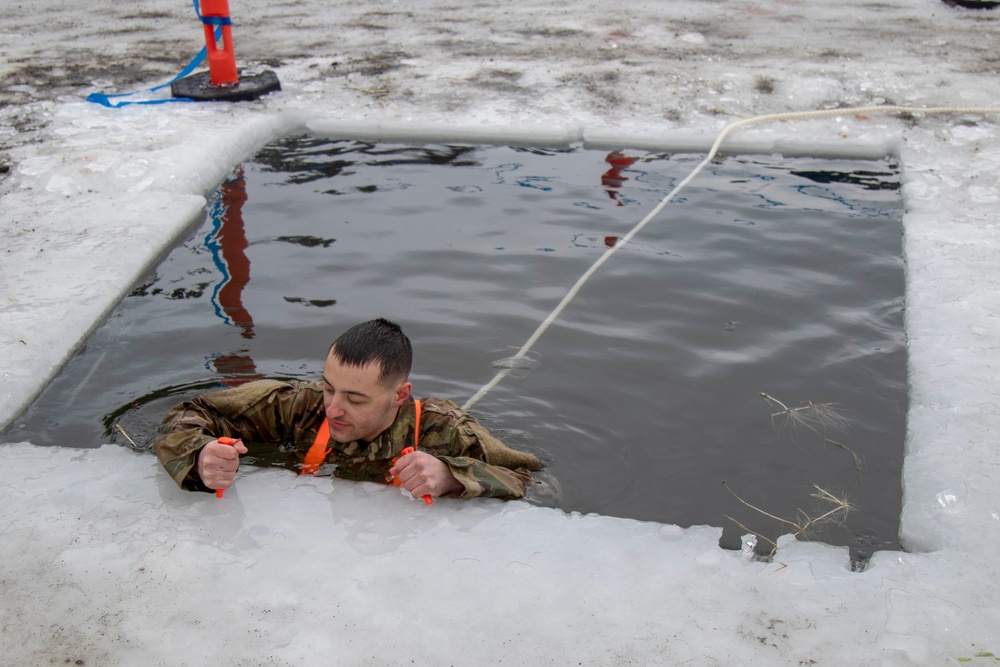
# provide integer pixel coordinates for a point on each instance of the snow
(105, 562)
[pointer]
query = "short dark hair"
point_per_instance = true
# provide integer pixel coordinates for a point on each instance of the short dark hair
(376, 340)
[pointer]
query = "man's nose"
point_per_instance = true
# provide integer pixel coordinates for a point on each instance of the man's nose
(334, 409)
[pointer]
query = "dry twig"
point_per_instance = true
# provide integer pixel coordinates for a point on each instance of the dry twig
(804, 524)
(119, 427)
(816, 417)
(859, 463)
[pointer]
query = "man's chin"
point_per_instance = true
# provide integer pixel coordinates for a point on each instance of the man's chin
(341, 435)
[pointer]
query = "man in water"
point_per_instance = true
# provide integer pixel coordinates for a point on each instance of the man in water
(359, 417)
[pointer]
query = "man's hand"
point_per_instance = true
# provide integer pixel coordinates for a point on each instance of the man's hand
(422, 474)
(218, 463)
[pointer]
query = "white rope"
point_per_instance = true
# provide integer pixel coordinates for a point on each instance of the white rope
(726, 131)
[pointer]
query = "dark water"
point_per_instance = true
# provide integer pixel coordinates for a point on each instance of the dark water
(773, 275)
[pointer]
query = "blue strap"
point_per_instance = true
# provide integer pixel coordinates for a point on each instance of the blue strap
(211, 20)
(104, 100)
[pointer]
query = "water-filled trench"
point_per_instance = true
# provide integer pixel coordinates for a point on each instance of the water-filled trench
(685, 366)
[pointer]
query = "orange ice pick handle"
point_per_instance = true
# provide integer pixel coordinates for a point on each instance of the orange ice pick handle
(225, 440)
(395, 480)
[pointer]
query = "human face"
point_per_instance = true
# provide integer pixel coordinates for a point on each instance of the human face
(358, 406)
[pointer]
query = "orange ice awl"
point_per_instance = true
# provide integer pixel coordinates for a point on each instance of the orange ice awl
(225, 440)
(409, 450)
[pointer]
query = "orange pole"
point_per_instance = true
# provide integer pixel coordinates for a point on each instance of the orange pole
(221, 61)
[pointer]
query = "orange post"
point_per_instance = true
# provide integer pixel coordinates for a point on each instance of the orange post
(221, 61)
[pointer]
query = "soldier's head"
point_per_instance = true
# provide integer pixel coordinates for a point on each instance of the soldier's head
(365, 379)
(380, 341)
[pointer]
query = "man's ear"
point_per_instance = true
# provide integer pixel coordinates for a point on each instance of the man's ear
(402, 394)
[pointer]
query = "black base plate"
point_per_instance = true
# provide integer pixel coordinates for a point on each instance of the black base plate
(973, 4)
(199, 87)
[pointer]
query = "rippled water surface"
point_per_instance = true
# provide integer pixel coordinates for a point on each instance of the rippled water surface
(768, 275)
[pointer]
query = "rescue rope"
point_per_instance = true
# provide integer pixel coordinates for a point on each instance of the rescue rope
(511, 362)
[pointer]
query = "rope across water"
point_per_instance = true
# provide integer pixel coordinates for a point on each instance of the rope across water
(726, 131)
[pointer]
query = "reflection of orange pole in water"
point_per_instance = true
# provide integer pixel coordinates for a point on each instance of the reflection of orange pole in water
(235, 368)
(233, 241)
(613, 178)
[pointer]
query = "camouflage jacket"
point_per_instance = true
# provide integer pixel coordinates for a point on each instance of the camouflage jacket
(278, 421)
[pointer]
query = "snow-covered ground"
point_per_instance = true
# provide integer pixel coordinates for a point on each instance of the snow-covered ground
(106, 563)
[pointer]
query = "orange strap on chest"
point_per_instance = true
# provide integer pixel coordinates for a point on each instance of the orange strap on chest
(416, 425)
(319, 450)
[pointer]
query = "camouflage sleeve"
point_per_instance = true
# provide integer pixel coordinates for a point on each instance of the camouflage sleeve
(480, 478)
(185, 430)
(257, 412)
